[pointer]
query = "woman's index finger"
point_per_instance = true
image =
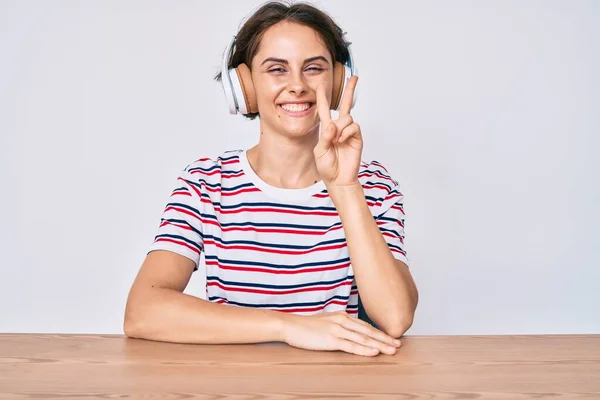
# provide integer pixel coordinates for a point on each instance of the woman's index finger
(323, 105)
(348, 98)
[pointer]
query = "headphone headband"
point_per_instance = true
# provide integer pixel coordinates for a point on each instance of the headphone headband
(226, 79)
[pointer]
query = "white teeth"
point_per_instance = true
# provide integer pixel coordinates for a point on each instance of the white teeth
(296, 107)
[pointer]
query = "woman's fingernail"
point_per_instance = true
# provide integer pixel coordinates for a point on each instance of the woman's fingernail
(397, 342)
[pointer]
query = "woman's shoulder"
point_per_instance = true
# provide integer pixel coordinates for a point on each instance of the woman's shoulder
(204, 175)
(374, 174)
(381, 189)
(210, 168)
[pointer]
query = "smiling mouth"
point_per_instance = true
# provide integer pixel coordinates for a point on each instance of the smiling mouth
(297, 110)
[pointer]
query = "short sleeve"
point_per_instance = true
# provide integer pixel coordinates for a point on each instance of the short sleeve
(180, 229)
(390, 218)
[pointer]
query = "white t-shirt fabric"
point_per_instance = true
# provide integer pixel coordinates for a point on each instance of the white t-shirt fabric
(269, 247)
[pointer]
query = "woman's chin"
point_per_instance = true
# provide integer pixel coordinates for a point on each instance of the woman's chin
(299, 128)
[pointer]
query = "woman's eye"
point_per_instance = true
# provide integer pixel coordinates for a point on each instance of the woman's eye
(311, 69)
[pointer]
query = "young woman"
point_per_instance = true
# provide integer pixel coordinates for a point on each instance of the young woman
(292, 229)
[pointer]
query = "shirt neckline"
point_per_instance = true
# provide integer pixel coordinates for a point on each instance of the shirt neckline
(289, 195)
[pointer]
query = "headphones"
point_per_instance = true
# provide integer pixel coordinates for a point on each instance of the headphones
(239, 88)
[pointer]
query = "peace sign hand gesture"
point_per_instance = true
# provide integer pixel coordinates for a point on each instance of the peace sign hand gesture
(339, 149)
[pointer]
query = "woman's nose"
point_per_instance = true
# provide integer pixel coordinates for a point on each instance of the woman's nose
(296, 84)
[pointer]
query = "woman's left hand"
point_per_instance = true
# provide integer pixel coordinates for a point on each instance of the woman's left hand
(339, 150)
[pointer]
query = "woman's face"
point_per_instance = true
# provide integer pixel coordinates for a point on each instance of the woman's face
(290, 63)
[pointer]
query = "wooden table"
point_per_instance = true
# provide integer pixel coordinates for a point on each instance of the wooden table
(441, 367)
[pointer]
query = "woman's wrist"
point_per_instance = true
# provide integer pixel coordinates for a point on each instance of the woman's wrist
(282, 321)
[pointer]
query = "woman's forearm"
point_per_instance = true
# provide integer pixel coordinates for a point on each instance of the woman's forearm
(168, 315)
(387, 290)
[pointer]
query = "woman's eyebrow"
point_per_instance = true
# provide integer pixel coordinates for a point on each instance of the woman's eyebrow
(282, 61)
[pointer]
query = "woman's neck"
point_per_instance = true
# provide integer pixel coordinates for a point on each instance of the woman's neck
(285, 163)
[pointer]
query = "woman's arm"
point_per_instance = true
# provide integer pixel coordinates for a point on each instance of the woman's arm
(385, 284)
(157, 309)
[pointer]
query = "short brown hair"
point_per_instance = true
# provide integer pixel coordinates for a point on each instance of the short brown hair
(250, 34)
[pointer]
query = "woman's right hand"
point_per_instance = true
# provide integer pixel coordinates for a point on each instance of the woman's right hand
(337, 331)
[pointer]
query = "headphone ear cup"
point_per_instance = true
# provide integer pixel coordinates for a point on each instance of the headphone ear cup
(248, 94)
(339, 71)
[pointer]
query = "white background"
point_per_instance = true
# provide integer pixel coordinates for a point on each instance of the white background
(487, 113)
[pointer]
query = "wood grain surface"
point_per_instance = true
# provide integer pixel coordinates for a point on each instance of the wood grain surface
(35, 366)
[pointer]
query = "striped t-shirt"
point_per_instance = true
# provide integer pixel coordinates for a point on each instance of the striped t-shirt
(268, 247)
